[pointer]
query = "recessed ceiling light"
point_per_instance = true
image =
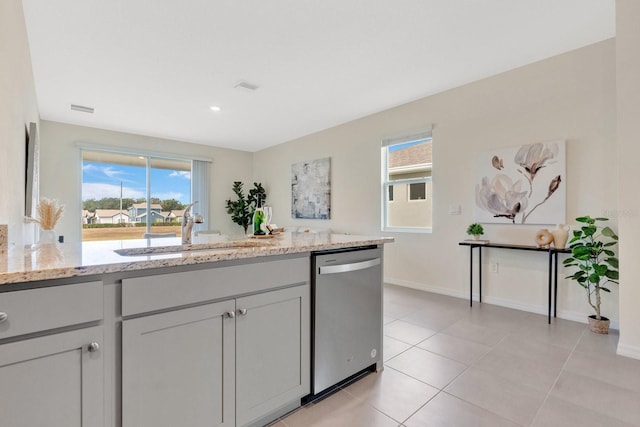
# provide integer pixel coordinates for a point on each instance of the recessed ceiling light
(215, 108)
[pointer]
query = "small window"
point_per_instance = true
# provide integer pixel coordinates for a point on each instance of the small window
(418, 191)
(406, 174)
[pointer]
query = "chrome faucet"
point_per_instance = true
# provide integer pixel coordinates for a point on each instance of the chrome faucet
(188, 219)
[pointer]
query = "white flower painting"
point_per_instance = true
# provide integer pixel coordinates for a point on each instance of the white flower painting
(522, 185)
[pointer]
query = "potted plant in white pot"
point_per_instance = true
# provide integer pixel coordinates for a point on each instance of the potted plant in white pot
(475, 230)
(596, 264)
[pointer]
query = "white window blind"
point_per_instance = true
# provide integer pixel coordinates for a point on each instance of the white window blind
(200, 179)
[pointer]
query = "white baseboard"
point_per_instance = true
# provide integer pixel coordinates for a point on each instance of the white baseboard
(531, 308)
(628, 351)
(429, 288)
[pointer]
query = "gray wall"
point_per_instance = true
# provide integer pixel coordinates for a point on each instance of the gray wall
(17, 109)
(59, 147)
(570, 97)
(628, 110)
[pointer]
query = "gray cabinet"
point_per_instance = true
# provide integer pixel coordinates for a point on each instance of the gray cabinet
(55, 380)
(220, 364)
(178, 368)
(227, 346)
(272, 351)
(51, 356)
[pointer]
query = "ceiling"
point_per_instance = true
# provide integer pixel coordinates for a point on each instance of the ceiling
(154, 67)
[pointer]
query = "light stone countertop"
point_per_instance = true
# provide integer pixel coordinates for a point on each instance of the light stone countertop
(59, 261)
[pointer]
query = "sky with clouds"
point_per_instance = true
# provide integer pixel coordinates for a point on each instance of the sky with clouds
(103, 180)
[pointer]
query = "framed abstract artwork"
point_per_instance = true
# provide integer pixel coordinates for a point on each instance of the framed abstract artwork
(311, 189)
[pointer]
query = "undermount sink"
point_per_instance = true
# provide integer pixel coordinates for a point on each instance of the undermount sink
(165, 250)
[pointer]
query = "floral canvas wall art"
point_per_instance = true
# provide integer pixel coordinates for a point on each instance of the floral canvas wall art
(311, 189)
(522, 185)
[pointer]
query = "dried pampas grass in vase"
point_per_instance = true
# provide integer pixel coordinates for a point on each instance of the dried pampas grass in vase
(49, 213)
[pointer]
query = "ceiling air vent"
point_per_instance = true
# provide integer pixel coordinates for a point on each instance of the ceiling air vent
(82, 108)
(246, 86)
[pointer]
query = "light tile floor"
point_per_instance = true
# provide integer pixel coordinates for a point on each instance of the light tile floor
(447, 364)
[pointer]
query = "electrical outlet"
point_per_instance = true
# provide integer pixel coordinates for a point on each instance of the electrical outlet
(494, 267)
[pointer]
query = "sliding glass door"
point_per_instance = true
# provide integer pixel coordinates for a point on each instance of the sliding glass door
(127, 196)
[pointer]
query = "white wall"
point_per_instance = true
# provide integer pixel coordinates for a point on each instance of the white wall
(628, 111)
(17, 109)
(61, 170)
(571, 97)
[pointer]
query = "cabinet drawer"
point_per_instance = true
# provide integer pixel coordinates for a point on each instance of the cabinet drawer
(36, 310)
(160, 292)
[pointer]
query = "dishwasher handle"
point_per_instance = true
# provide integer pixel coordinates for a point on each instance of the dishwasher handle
(345, 268)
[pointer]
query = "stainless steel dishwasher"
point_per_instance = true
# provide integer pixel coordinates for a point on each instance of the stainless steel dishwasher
(346, 316)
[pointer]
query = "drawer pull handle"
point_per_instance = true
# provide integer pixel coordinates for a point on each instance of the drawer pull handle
(243, 311)
(93, 347)
(3, 317)
(230, 314)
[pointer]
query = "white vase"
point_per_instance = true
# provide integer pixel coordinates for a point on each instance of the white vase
(560, 236)
(47, 237)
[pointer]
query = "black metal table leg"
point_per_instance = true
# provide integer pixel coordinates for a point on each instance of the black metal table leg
(549, 286)
(470, 276)
(480, 273)
(555, 284)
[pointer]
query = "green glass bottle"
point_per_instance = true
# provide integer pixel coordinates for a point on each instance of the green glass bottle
(258, 219)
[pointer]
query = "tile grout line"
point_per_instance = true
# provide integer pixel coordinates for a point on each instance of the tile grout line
(373, 407)
(564, 365)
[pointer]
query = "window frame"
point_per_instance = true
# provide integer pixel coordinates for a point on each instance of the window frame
(386, 183)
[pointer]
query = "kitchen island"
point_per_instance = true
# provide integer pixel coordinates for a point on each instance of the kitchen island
(213, 334)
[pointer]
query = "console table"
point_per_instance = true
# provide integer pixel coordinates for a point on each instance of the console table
(552, 254)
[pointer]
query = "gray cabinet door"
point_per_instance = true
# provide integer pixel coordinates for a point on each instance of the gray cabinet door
(178, 368)
(53, 380)
(272, 351)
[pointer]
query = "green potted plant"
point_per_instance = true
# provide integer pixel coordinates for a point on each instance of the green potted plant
(595, 264)
(476, 230)
(241, 209)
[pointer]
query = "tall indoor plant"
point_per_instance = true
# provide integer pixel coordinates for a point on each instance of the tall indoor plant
(595, 264)
(241, 209)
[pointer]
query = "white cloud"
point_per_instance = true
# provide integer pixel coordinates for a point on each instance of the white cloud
(108, 171)
(111, 172)
(182, 174)
(95, 190)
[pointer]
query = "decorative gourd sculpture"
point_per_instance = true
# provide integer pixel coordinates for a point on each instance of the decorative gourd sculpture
(544, 238)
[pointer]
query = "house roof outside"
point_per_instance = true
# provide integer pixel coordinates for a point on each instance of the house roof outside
(177, 213)
(418, 154)
(144, 206)
(153, 213)
(106, 213)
